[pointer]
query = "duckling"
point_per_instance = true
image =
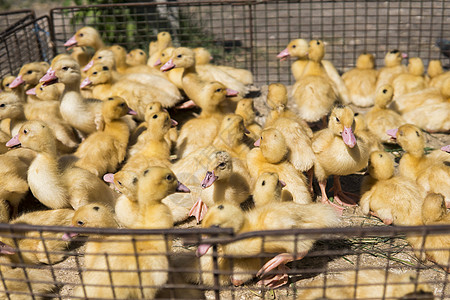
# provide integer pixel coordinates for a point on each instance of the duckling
(277, 100)
(432, 118)
(154, 184)
(361, 81)
(43, 247)
(394, 199)
(29, 75)
(380, 118)
(412, 81)
(11, 107)
(363, 132)
(338, 152)
(225, 181)
(15, 186)
(315, 93)
(81, 54)
(392, 67)
(367, 283)
(245, 109)
(267, 189)
(270, 216)
(296, 48)
(163, 41)
(50, 184)
(136, 57)
(102, 151)
(434, 212)
(174, 75)
(271, 156)
(437, 74)
(86, 37)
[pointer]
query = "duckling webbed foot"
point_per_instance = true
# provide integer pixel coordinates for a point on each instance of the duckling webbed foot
(339, 209)
(186, 105)
(277, 280)
(198, 210)
(341, 197)
(279, 262)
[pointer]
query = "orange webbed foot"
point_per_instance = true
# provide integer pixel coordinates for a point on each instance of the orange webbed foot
(198, 210)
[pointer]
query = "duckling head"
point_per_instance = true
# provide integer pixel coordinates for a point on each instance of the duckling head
(156, 183)
(115, 107)
(411, 139)
(415, 66)
(35, 135)
(164, 40)
(433, 208)
(165, 56)
(224, 215)
(202, 56)
(221, 169)
(365, 61)
(296, 48)
(273, 145)
(211, 96)
(127, 183)
(45, 92)
(86, 36)
(11, 106)
(159, 123)
(30, 74)
(6, 82)
(384, 95)
(232, 129)
(99, 73)
(394, 58)
(66, 71)
(267, 189)
(435, 68)
(381, 165)
(245, 109)
(151, 108)
(136, 57)
(316, 50)
(277, 96)
(341, 122)
(181, 58)
(360, 123)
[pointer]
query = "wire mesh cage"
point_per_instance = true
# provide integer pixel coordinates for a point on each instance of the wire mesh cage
(12, 18)
(345, 263)
(25, 43)
(249, 34)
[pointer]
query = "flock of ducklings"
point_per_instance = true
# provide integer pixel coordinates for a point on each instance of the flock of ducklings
(80, 128)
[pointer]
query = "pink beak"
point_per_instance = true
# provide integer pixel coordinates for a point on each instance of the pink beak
(85, 83)
(157, 63)
(13, 142)
(446, 148)
(283, 54)
(257, 143)
(404, 55)
(202, 249)
(88, 66)
(283, 184)
(232, 93)
(168, 66)
(174, 123)
(31, 91)
(70, 42)
(69, 236)
(392, 132)
(16, 82)
(348, 137)
(109, 177)
(209, 179)
(131, 112)
(49, 76)
(181, 188)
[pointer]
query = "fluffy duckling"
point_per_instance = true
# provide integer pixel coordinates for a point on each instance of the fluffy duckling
(86, 37)
(394, 199)
(246, 110)
(136, 57)
(361, 81)
(267, 189)
(11, 107)
(363, 132)
(102, 151)
(277, 100)
(296, 48)
(338, 152)
(365, 284)
(222, 184)
(315, 93)
(271, 156)
(50, 184)
(45, 249)
(163, 41)
(380, 118)
(270, 216)
(392, 67)
(15, 186)
(437, 74)
(434, 212)
(155, 184)
(412, 81)
(174, 75)
(29, 75)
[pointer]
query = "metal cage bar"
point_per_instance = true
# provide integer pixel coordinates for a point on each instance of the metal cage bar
(11, 18)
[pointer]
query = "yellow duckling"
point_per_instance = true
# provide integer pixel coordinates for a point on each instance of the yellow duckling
(174, 75)
(315, 93)
(86, 37)
(394, 199)
(271, 156)
(11, 107)
(29, 75)
(363, 132)
(412, 81)
(50, 184)
(13, 171)
(163, 41)
(296, 48)
(267, 189)
(103, 151)
(361, 81)
(437, 74)
(136, 57)
(246, 110)
(270, 216)
(392, 67)
(338, 152)
(81, 54)
(379, 118)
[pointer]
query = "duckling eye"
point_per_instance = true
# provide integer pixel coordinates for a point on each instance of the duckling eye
(41, 88)
(169, 177)
(25, 131)
(120, 183)
(163, 55)
(122, 104)
(81, 223)
(417, 133)
(110, 98)
(65, 68)
(96, 208)
(179, 56)
(219, 90)
(29, 72)
(99, 57)
(384, 91)
(318, 43)
(401, 133)
(395, 51)
(337, 120)
(141, 53)
(151, 107)
(135, 180)
(219, 207)
(2, 105)
(95, 73)
(105, 68)
(356, 114)
(263, 183)
(155, 116)
(381, 155)
(81, 34)
(7, 84)
(163, 34)
(294, 46)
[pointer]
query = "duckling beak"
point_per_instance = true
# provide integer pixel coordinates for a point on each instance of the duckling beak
(283, 55)
(404, 55)
(157, 63)
(16, 82)
(202, 249)
(6, 249)
(85, 83)
(283, 184)
(109, 177)
(131, 112)
(392, 133)
(31, 91)
(88, 66)
(168, 66)
(13, 142)
(174, 123)
(182, 188)
(232, 93)
(186, 105)
(71, 42)
(257, 143)
(209, 179)
(69, 236)
(446, 148)
(349, 137)
(49, 76)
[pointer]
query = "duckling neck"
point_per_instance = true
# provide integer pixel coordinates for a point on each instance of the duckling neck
(314, 68)
(72, 87)
(154, 214)
(220, 187)
(98, 44)
(409, 165)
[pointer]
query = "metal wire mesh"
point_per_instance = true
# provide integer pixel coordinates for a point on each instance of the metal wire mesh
(249, 34)
(12, 18)
(381, 252)
(25, 43)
